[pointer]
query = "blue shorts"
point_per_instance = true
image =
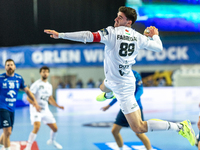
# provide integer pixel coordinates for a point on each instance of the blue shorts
(121, 119)
(6, 118)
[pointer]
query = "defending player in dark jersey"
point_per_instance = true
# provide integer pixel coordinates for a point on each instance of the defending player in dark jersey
(10, 83)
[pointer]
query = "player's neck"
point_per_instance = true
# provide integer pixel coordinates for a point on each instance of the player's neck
(44, 80)
(10, 75)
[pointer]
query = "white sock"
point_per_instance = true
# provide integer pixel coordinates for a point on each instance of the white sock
(31, 139)
(8, 148)
(120, 148)
(52, 135)
(156, 125)
(109, 95)
(1, 145)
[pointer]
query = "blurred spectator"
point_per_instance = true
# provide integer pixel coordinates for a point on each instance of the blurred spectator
(161, 81)
(98, 83)
(149, 81)
(32, 81)
(68, 84)
(79, 84)
(60, 85)
(90, 84)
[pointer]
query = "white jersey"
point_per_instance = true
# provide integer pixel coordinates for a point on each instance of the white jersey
(42, 91)
(122, 45)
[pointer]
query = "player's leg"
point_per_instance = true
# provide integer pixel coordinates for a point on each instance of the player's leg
(1, 140)
(33, 134)
(137, 125)
(107, 93)
(49, 120)
(53, 133)
(145, 140)
(6, 137)
(118, 138)
(6, 123)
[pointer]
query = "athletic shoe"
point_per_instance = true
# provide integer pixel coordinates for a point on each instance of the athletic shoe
(1, 146)
(57, 145)
(197, 140)
(101, 97)
(188, 132)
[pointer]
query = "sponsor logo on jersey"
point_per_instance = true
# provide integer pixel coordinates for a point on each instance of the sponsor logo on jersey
(11, 93)
(140, 82)
(127, 38)
(104, 31)
(4, 85)
(41, 87)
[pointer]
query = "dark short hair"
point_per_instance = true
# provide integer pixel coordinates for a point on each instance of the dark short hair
(9, 60)
(130, 13)
(44, 68)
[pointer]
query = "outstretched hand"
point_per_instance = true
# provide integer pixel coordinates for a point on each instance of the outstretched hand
(61, 107)
(53, 33)
(152, 31)
(105, 107)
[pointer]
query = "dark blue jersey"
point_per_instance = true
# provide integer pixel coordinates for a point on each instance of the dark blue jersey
(138, 89)
(9, 87)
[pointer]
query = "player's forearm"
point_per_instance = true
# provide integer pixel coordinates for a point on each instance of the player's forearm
(31, 98)
(81, 36)
(155, 44)
(53, 102)
(30, 101)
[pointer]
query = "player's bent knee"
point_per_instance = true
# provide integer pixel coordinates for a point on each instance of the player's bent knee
(55, 129)
(114, 132)
(7, 133)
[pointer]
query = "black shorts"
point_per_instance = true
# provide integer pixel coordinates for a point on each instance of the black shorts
(121, 119)
(6, 118)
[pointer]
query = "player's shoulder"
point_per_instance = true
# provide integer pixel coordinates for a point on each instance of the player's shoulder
(37, 82)
(106, 31)
(3, 75)
(18, 76)
(49, 84)
(136, 74)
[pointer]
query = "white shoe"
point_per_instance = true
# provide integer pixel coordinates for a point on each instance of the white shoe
(197, 140)
(56, 144)
(1, 146)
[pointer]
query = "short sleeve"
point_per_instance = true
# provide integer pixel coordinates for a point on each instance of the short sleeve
(22, 85)
(51, 90)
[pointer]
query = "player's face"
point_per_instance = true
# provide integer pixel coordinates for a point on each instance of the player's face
(10, 67)
(44, 74)
(121, 20)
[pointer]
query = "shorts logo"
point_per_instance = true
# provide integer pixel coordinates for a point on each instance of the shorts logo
(134, 105)
(5, 123)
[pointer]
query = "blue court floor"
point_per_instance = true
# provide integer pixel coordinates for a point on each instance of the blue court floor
(72, 135)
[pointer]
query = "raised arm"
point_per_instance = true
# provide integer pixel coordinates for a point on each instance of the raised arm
(155, 44)
(81, 36)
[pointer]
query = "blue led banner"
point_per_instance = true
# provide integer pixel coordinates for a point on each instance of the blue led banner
(93, 55)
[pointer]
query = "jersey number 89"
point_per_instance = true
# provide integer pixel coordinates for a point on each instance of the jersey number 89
(126, 49)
